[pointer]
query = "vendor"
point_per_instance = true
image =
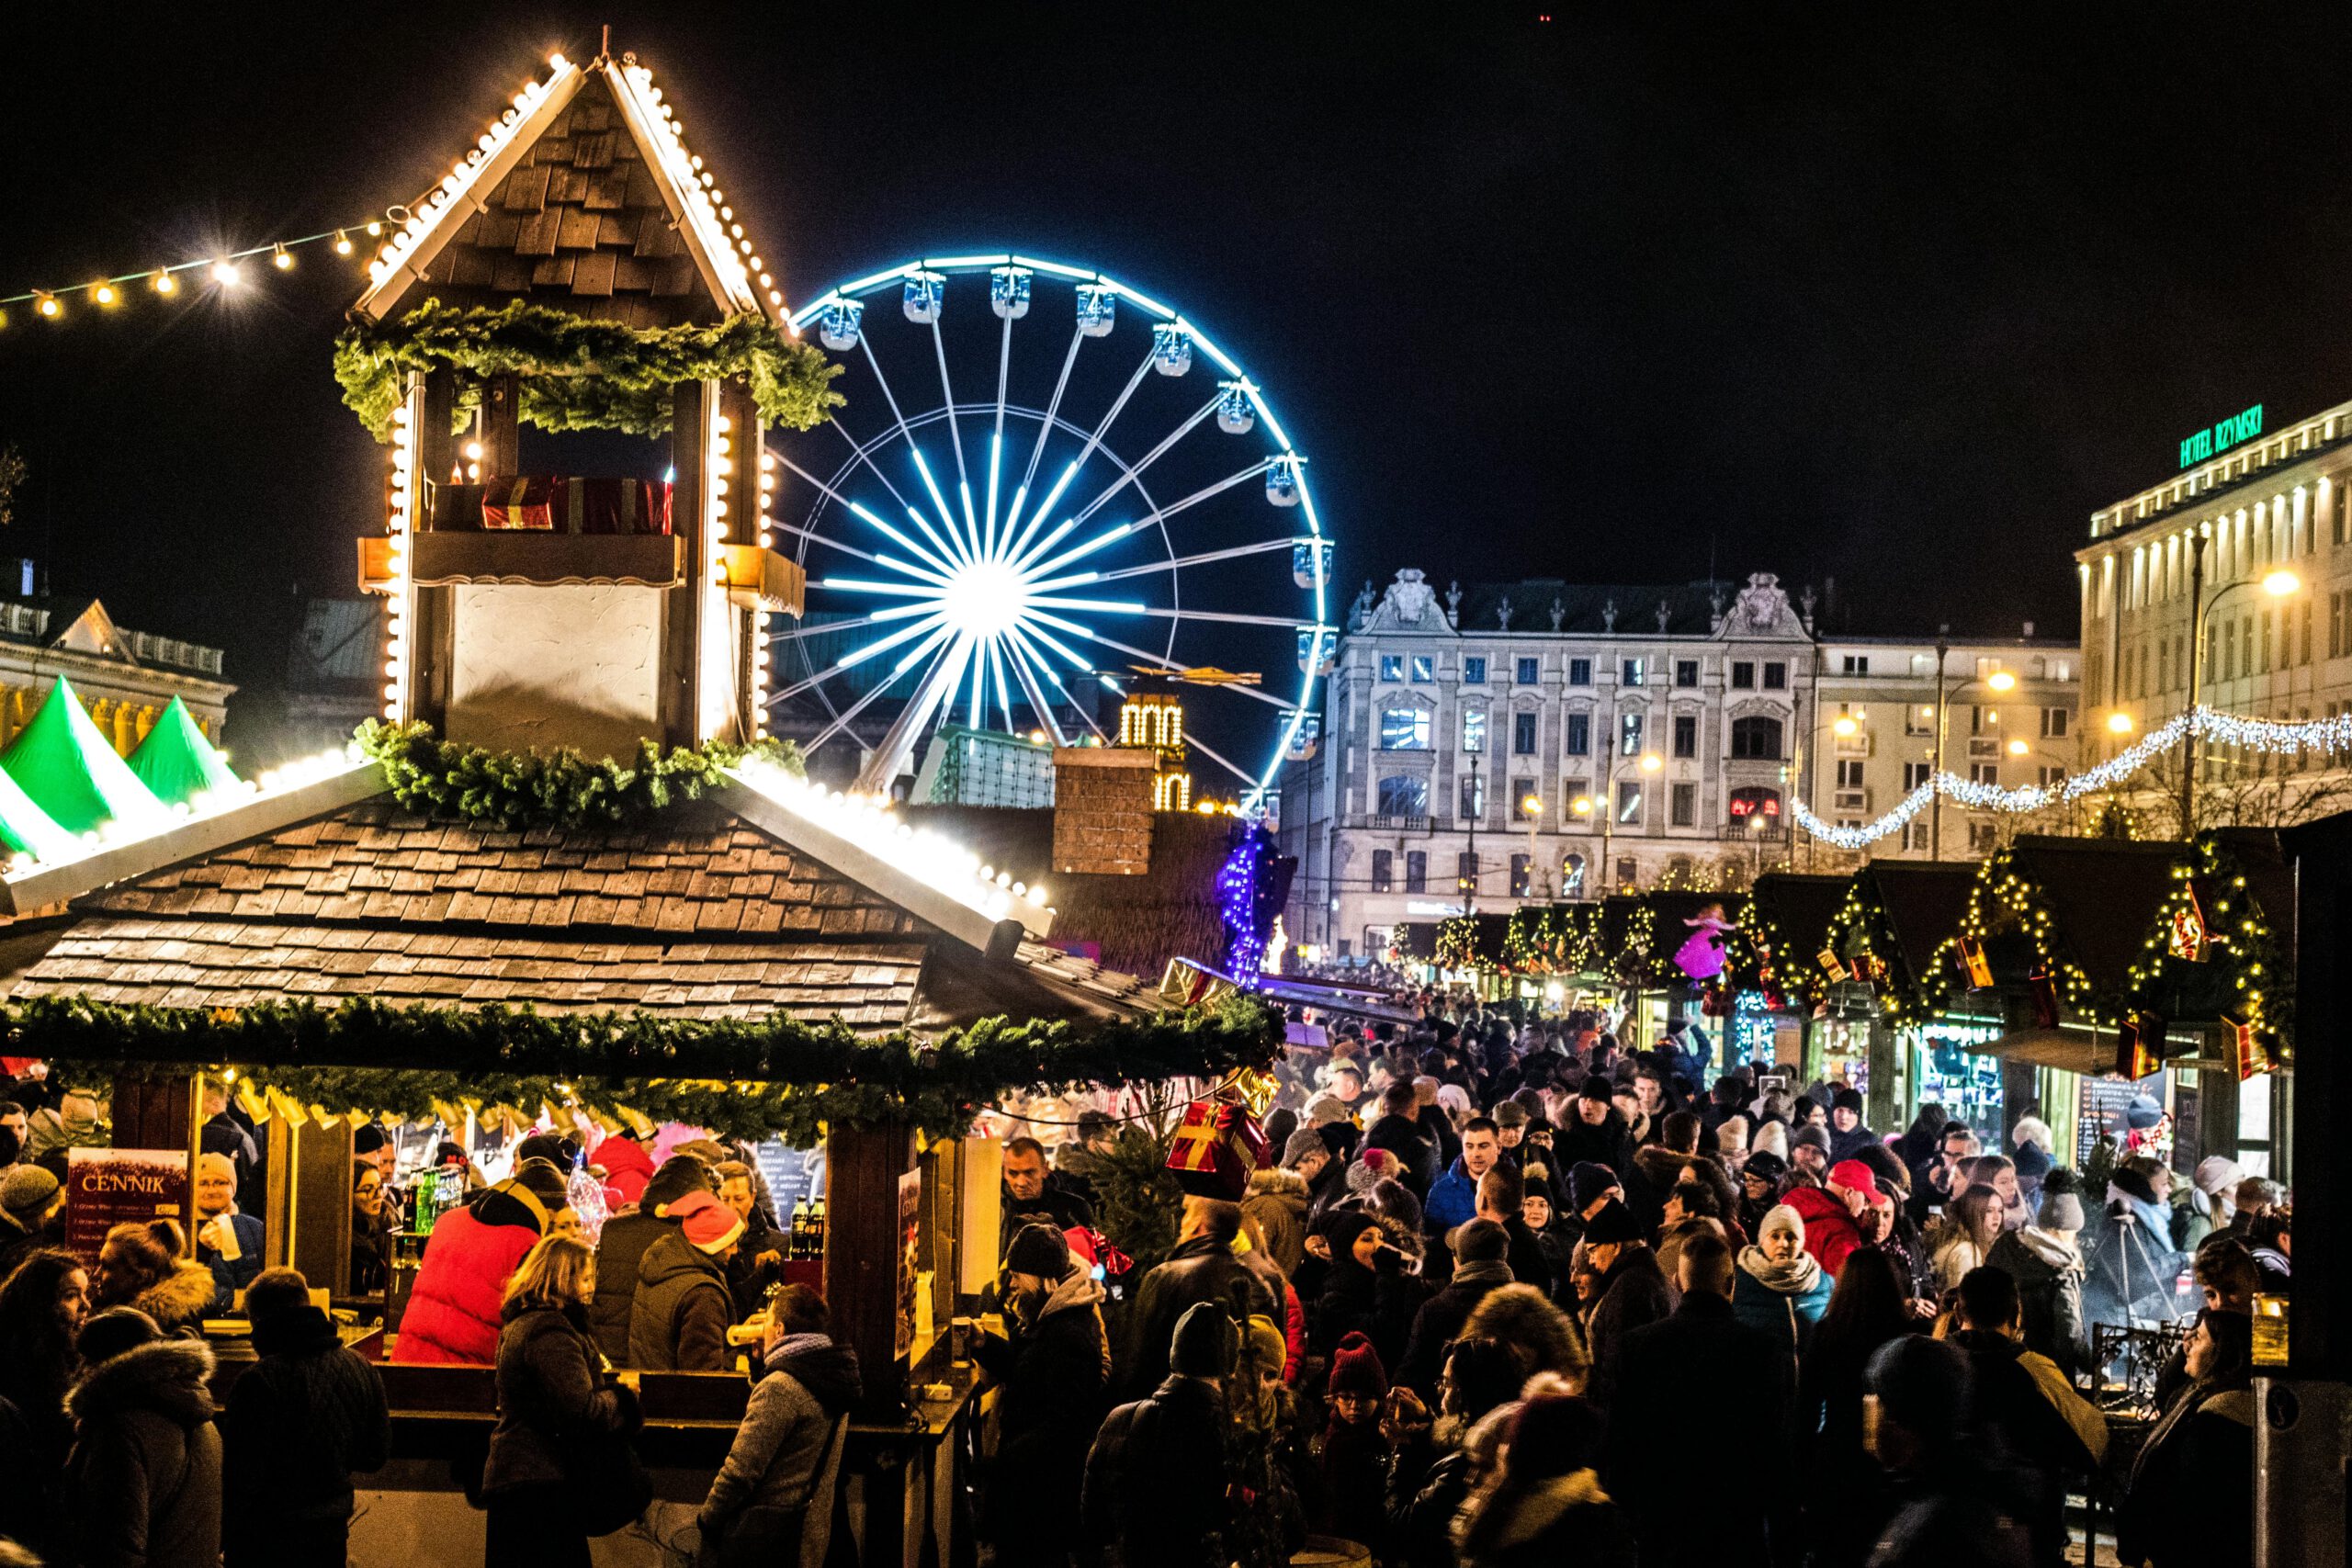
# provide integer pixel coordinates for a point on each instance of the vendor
(227, 1242)
(371, 1233)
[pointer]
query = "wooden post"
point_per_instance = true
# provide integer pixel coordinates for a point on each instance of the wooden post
(862, 1171)
(502, 447)
(307, 1226)
(433, 622)
(695, 407)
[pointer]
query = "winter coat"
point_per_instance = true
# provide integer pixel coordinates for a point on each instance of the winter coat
(2190, 1502)
(627, 1168)
(1439, 1323)
(679, 1319)
(551, 1391)
(179, 1301)
(1830, 1233)
(2135, 1262)
(1845, 1146)
(301, 1420)
(1426, 1488)
(2195, 1216)
(1701, 1358)
(2048, 1267)
(2047, 1432)
(1957, 1515)
(454, 1308)
(1778, 1299)
(1440, 1135)
(1155, 1480)
(748, 1279)
(1278, 1200)
(1199, 1270)
(621, 1248)
(1054, 1372)
(230, 1275)
(1453, 1199)
(1655, 1170)
(1402, 1136)
(773, 1496)
(1566, 1519)
(1380, 1304)
(1634, 1296)
(1955, 1260)
(31, 1484)
(1528, 1265)
(143, 1480)
(1581, 1143)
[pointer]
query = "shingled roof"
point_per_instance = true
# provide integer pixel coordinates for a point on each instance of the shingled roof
(693, 913)
(582, 196)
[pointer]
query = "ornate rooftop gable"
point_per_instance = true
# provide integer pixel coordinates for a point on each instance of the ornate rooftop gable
(581, 194)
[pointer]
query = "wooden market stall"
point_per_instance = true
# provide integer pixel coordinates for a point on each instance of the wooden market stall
(661, 925)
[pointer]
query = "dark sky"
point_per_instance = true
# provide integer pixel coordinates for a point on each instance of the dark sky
(1896, 298)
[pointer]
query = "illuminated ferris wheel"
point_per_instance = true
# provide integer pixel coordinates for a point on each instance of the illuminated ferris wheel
(1092, 505)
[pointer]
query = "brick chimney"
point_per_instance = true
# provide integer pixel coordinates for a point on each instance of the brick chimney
(1102, 810)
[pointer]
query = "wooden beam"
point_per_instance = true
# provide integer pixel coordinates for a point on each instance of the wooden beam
(863, 1166)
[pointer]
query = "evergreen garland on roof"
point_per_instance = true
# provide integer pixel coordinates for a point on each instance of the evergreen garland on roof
(506, 791)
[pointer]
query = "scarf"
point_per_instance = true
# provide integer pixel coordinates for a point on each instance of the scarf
(1793, 1277)
(2056, 1249)
(1486, 1271)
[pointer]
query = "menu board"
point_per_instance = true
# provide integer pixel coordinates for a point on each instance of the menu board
(792, 1175)
(2101, 1105)
(105, 1188)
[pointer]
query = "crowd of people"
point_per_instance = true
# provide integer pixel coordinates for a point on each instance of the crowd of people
(1508, 1293)
(1501, 1293)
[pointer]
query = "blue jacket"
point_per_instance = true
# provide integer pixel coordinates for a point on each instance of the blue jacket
(228, 1278)
(1787, 1316)
(1452, 1200)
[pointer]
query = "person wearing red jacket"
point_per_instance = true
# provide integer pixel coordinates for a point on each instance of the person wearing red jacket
(453, 1309)
(627, 1168)
(1830, 1233)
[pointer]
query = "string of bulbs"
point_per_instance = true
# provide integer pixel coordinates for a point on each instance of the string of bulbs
(226, 271)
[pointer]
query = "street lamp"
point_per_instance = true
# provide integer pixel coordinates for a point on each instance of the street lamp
(1997, 680)
(2119, 724)
(1584, 805)
(1845, 727)
(2278, 584)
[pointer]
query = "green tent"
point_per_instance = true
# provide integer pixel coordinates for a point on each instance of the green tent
(177, 762)
(66, 766)
(26, 829)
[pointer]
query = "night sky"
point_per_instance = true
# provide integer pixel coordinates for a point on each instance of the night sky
(1895, 301)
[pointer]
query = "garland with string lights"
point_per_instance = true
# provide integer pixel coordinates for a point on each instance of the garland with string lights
(511, 790)
(757, 1077)
(579, 374)
(1859, 930)
(2002, 900)
(2273, 736)
(2239, 944)
(1457, 943)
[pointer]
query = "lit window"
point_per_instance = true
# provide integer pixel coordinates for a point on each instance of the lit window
(1473, 730)
(1392, 666)
(1405, 730)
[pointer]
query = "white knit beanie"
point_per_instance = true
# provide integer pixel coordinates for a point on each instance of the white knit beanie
(1781, 1217)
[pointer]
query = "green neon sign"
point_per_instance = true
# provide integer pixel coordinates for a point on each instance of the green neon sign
(2224, 435)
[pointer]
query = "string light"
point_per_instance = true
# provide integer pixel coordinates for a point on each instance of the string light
(2271, 736)
(165, 283)
(103, 293)
(280, 257)
(47, 304)
(164, 280)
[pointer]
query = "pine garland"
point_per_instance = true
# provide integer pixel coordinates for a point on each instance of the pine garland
(511, 790)
(756, 1078)
(579, 374)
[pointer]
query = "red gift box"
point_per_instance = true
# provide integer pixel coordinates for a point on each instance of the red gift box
(1217, 1149)
(552, 503)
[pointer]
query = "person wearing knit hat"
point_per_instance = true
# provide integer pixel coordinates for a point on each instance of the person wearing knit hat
(227, 1243)
(30, 1198)
(2046, 1260)
(684, 1306)
(2208, 1203)
(1353, 1453)
(1039, 1251)
(1770, 1138)
(1777, 1285)
(1589, 1185)
(1809, 1149)
(1154, 1485)
(1205, 1344)
(1372, 1166)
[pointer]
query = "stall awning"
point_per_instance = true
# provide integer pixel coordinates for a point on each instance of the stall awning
(2069, 1050)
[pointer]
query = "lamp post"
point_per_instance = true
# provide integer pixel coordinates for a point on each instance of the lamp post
(1845, 727)
(1468, 885)
(1584, 805)
(1998, 681)
(1533, 805)
(2278, 585)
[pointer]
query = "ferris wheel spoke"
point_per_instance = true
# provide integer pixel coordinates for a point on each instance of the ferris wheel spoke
(922, 650)
(1037, 519)
(851, 660)
(827, 628)
(956, 439)
(996, 438)
(1045, 428)
(1197, 744)
(938, 564)
(1020, 638)
(1157, 514)
(1110, 535)
(859, 452)
(1174, 563)
(1130, 475)
(847, 549)
(1026, 678)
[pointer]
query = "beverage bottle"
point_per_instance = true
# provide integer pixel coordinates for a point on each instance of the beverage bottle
(800, 1248)
(817, 1229)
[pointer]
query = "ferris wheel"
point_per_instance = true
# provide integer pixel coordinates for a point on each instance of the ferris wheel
(995, 557)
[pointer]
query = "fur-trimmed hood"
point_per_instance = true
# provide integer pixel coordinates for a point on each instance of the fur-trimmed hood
(1518, 1315)
(164, 1375)
(181, 1298)
(1660, 1166)
(1279, 1182)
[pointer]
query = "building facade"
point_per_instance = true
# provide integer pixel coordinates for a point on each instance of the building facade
(125, 679)
(2273, 601)
(1540, 740)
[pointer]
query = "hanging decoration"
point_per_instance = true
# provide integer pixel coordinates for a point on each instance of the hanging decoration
(579, 374)
(1249, 896)
(2188, 932)
(2318, 735)
(2239, 956)
(1457, 943)
(1702, 955)
(776, 1075)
